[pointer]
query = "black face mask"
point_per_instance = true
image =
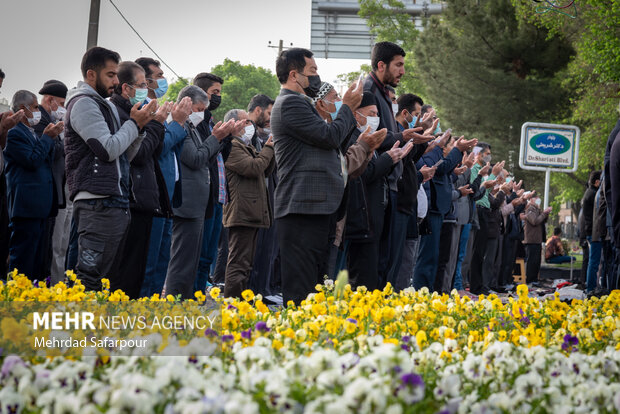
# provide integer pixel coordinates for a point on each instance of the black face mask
(214, 102)
(314, 85)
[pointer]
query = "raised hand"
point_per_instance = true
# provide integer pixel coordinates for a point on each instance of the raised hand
(413, 135)
(53, 130)
(433, 127)
(465, 190)
(373, 140)
(395, 152)
(222, 130)
(497, 168)
(465, 145)
(144, 115)
(162, 112)
(10, 119)
(486, 169)
(182, 110)
(353, 96)
(427, 172)
(460, 170)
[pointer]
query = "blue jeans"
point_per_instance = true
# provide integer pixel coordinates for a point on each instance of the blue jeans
(210, 237)
(458, 277)
(426, 266)
(158, 257)
(593, 263)
(560, 259)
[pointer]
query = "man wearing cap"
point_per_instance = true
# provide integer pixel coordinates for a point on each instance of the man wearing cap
(56, 236)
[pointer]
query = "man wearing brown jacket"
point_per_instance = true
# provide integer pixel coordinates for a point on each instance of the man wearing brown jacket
(535, 235)
(248, 207)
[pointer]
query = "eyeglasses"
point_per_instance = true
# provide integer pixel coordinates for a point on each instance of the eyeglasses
(141, 86)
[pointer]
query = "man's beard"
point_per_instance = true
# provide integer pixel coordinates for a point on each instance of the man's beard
(101, 89)
(390, 80)
(261, 121)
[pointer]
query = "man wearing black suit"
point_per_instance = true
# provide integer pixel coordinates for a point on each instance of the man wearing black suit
(311, 171)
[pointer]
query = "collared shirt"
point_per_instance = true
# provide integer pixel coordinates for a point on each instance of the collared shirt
(484, 201)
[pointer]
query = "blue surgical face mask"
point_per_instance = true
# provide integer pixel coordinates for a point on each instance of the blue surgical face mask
(140, 96)
(413, 121)
(337, 104)
(162, 87)
(437, 130)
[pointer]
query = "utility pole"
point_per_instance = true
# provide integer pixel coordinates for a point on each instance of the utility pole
(280, 46)
(93, 23)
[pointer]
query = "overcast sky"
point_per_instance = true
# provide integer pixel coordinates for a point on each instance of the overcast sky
(44, 39)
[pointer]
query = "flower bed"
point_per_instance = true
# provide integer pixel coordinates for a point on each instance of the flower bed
(347, 351)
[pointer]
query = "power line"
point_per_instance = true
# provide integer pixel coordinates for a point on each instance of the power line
(144, 41)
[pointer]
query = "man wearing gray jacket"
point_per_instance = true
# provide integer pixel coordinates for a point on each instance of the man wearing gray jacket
(311, 171)
(191, 195)
(97, 155)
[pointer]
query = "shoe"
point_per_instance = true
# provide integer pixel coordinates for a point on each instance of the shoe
(498, 289)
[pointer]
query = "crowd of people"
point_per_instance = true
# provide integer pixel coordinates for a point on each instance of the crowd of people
(160, 197)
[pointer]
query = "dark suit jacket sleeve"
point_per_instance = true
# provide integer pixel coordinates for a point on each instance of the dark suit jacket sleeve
(305, 125)
(450, 162)
(21, 150)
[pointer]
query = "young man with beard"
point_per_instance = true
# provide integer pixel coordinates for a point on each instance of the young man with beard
(388, 66)
(98, 151)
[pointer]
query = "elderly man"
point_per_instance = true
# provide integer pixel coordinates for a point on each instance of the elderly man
(53, 110)
(310, 171)
(248, 208)
(32, 198)
(191, 195)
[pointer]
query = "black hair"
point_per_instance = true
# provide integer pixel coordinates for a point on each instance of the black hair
(146, 63)
(408, 101)
(127, 74)
(2, 75)
(96, 58)
(385, 52)
(557, 231)
(425, 109)
(483, 145)
(594, 175)
(260, 101)
(291, 59)
(204, 80)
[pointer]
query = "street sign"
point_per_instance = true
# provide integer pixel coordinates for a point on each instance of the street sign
(549, 147)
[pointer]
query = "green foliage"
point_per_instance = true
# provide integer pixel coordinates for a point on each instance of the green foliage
(593, 77)
(173, 90)
(346, 79)
(241, 83)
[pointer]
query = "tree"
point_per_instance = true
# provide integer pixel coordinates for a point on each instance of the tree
(593, 77)
(241, 83)
(173, 90)
(484, 69)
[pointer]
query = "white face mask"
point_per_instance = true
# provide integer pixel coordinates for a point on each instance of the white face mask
(248, 134)
(372, 122)
(59, 114)
(538, 201)
(196, 117)
(395, 108)
(36, 117)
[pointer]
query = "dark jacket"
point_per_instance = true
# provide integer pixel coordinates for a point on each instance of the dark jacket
(246, 170)
(97, 148)
(614, 179)
(30, 185)
(495, 220)
(599, 218)
(194, 187)
(386, 120)
(58, 165)
(367, 198)
(205, 128)
(440, 186)
(310, 178)
(613, 136)
(149, 187)
(587, 204)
